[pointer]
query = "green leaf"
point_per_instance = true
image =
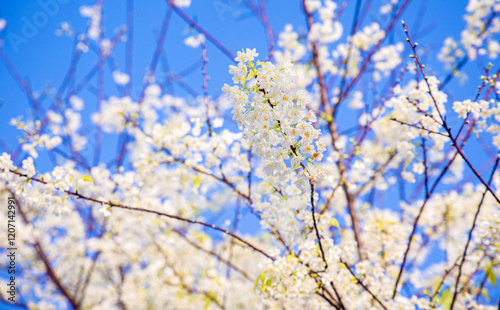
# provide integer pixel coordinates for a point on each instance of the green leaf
(446, 299)
(86, 178)
(490, 275)
(260, 278)
(485, 294)
(210, 297)
(407, 162)
(333, 222)
(196, 181)
(256, 282)
(427, 293)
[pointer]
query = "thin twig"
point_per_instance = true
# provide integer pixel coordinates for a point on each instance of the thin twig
(205, 85)
(444, 124)
(46, 262)
(316, 226)
(418, 127)
(207, 35)
(464, 255)
(122, 206)
(364, 286)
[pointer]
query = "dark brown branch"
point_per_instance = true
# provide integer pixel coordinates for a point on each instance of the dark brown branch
(421, 128)
(205, 85)
(333, 132)
(316, 225)
(415, 224)
(217, 256)
(179, 218)
(364, 286)
(444, 124)
(46, 262)
(353, 82)
(464, 255)
(183, 284)
(207, 35)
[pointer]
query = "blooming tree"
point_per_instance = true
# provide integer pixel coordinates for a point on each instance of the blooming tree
(391, 211)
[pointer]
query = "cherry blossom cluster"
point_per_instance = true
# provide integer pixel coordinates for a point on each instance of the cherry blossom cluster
(406, 117)
(271, 111)
(485, 113)
(33, 138)
(477, 39)
(94, 27)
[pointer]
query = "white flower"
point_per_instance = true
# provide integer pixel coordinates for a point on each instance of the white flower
(368, 37)
(5, 162)
(418, 168)
(312, 5)
(217, 122)
(104, 209)
(106, 46)
(182, 3)
(54, 117)
(58, 173)
(82, 47)
(408, 176)
(193, 41)
(76, 103)
(153, 90)
(87, 11)
(31, 149)
(246, 56)
(3, 23)
(357, 101)
(53, 142)
(28, 167)
(462, 108)
(496, 141)
(121, 78)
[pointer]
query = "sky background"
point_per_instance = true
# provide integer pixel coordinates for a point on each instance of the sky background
(42, 58)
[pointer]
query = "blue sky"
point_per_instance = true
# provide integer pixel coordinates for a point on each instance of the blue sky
(42, 58)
